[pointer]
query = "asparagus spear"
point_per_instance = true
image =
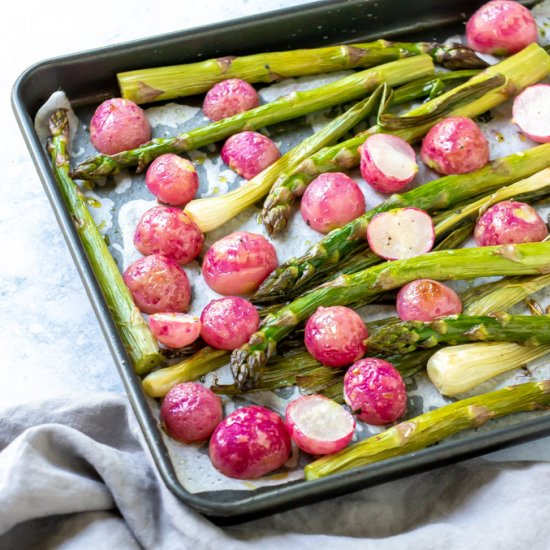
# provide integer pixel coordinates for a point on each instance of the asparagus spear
(248, 361)
(520, 70)
(296, 104)
(431, 427)
(278, 204)
(406, 336)
(161, 83)
(212, 212)
(134, 331)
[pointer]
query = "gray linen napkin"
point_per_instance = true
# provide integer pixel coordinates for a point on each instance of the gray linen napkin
(75, 473)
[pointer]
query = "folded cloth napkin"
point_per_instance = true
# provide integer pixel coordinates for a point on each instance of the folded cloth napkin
(75, 473)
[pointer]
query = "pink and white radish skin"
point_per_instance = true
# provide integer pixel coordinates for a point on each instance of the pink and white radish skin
(118, 125)
(175, 330)
(190, 412)
(238, 263)
(335, 336)
(250, 443)
(228, 323)
(249, 153)
(318, 425)
(375, 391)
(455, 145)
(229, 97)
(172, 179)
(426, 300)
(388, 163)
(168, 231)
(501, 27)
(401, 233)
(531, 112)
(509, 222)
(158, 284)
(331, 200)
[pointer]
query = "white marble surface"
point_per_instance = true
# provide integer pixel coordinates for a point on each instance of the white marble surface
(50, 341)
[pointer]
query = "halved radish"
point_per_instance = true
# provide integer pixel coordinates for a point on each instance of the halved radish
(318, 425)
(401, 233)
(388, 163)
(175, 330)
(531, 112)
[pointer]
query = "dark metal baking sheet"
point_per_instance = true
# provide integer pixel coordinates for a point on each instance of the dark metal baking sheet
(88, 77)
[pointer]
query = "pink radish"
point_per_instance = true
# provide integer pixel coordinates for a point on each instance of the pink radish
(388, 163)
(228, 323)
(425, 300)
(229, 97)
(158, 284)
(318, 425)
(117, 125)
(334, 336)
(172, 179)
(531, 112)
(510, 222)
(375, 390)
(190, 412)
(168, 231)
(238, 263)
(249, 443)
(331, 200)
(501, 27)
(455, 145)
(401, 233)
(248, 153)
(175, 330)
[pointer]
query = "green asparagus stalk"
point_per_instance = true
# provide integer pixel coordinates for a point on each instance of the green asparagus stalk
(160, 382)
(431, 427)
(211, 212)
(294, 105)
(140, 344)
(501, 295)
(521, 70)
(454, 370)
(407, 336)
(248, 361)
(162, 83)
(278, 204)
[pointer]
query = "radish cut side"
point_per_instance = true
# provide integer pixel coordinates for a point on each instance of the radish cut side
(531, 112)
(393, 156)
(318, 425)
(401, 233)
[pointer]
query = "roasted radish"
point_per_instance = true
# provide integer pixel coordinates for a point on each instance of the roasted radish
(249, 443)
(168, 231)
(331, 200)
(158, 284)
(510, 222)
(388, 163)
(334, 336)
(229, 97)
(318, 425)
(117, 125)
(501, 27)
(172, 179)
(401, 233)
(455, 145)
(175, 330)
(190, 412)
(531, 112)
(248, 153)
(238, 263)
(425, 300)
(228, 323)
(375, 390)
